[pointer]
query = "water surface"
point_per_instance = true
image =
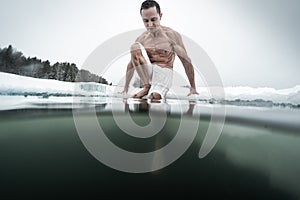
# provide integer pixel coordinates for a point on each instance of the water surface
(42, 155)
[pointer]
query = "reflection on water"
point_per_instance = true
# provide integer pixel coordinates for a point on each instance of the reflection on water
(277, 117)
(169, 107)
(143, 105)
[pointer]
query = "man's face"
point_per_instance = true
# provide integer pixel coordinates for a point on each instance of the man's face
(151, 19)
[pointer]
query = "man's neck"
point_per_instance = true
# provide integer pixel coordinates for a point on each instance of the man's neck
(156, 33)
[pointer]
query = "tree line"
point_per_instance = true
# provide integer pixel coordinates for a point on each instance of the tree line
(13, 61)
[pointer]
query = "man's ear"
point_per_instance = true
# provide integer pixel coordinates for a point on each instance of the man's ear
(160, 15)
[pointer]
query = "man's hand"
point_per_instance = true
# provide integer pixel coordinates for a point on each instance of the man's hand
(125, 91)
(193, 91)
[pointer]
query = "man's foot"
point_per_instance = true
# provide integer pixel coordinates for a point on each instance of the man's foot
(156, 96)
(143, 92)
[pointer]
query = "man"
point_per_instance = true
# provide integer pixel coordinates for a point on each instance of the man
(161, 44)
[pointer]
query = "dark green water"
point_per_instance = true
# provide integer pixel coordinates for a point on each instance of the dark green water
(42, 156)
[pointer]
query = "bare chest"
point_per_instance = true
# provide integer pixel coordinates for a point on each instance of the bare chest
(158, 45)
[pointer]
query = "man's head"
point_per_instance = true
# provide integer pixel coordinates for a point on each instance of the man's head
(149, 4)
(151, 14)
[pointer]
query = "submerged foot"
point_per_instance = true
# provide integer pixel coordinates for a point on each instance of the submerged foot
(143, 92)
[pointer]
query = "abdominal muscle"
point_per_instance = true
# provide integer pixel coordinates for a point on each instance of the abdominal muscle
(162, 58)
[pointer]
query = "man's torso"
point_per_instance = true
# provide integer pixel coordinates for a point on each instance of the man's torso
(159, 48)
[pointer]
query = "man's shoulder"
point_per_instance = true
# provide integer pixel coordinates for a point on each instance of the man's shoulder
(174, 35)
(142, 37)
(169, 30)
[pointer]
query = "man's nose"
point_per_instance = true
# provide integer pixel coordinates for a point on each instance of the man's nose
(150, 24)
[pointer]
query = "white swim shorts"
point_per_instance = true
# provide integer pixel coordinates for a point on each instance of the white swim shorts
(160, 79)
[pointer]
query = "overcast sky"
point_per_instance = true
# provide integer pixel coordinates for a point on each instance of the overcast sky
(252, 43)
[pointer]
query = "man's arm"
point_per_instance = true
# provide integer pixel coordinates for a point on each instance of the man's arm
(129, 74)
(186, 62)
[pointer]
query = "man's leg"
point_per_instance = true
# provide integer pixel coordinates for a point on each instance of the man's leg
(141, 66)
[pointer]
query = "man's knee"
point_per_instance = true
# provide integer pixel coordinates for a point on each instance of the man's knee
(135, 46)
(136, 50)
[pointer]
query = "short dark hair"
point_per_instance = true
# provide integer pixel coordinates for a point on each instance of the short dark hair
(149, 4)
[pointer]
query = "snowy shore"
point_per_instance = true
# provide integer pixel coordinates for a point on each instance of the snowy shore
(11, 84)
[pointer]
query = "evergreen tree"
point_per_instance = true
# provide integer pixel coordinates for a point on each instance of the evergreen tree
(13, 61)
